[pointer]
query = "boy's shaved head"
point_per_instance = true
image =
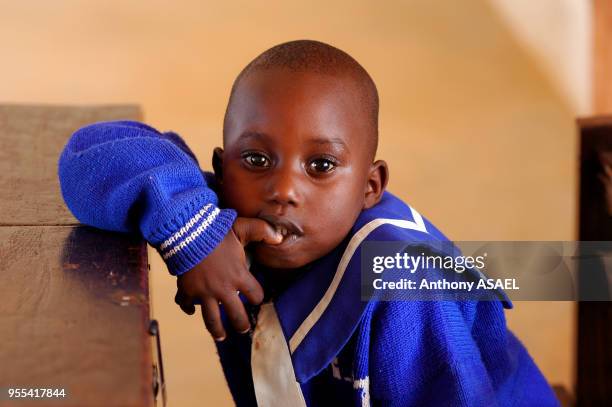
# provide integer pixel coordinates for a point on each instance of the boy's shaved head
(316, 57)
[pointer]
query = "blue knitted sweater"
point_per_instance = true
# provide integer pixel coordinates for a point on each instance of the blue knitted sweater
(128, 177)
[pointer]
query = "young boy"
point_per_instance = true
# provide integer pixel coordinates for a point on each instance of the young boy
(299, 136)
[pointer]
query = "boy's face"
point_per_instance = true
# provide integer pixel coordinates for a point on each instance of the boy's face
(297, 155)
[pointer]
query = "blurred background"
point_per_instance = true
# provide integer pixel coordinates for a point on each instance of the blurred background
(478, 106)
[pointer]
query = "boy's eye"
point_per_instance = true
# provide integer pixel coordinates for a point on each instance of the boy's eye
(256, 160)
(321, 165)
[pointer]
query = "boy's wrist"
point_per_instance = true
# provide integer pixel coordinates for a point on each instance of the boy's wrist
(183, 247)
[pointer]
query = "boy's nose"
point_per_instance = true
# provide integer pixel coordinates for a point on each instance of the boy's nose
(283, 188)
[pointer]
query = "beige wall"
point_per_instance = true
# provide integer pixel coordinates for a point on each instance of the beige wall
(478, 132)
(602, 57)
(558, 35)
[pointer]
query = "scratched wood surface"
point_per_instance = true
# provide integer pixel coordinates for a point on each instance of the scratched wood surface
(31, 139)
(74, 301)
(74, 314)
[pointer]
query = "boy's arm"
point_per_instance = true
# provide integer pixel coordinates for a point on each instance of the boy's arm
(450, 353)
(419, 356)
(125, 176)
(128, 177)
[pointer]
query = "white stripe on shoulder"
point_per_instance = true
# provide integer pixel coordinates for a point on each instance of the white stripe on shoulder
(193, 235)
(185, 228)
(418, 224)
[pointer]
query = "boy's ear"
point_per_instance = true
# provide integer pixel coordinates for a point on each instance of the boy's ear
(217, 163)
(376, 183)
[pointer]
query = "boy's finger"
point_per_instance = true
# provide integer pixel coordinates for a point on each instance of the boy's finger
(250, 287)
(256, 230)
(236, 313)
(212, 319)
(188, 309)
(185, 304)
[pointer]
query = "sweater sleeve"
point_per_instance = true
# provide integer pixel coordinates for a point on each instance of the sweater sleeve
(125, 176)
(452, 354)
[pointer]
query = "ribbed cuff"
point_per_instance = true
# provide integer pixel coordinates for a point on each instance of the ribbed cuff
(184, 247)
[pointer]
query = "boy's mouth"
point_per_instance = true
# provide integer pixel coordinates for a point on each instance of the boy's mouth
(289, 229)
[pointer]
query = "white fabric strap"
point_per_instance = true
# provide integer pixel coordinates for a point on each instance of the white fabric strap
(271, 366)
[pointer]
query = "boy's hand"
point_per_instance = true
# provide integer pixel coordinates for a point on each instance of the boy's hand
(218, 277)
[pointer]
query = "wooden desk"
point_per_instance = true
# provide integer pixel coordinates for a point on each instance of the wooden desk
(74, 301)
